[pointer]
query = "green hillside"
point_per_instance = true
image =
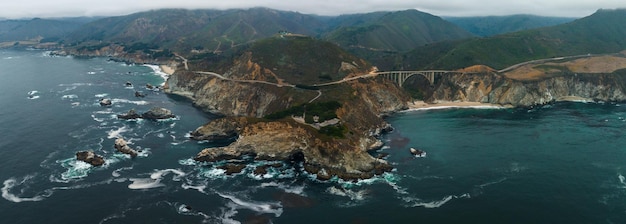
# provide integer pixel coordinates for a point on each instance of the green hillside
(191, 32)
(393, 31)
(493, 25)
(304, 60)
(14, 30)
(602, 32)
(202, 30)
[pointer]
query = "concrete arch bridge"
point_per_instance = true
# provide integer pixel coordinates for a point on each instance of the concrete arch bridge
(400, 77)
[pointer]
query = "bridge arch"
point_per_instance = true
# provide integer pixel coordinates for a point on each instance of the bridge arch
(400, 77)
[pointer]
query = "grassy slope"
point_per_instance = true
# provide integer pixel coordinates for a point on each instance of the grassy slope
(602, 32)
(393, 31)
(494, 25)
(304, 60)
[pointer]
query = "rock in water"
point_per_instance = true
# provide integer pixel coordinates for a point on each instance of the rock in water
(149, 86)
(105, 102)
(122, 146)
(132, 114)
(232, 168)
(157, 113)
(90, 157)
(139, 94)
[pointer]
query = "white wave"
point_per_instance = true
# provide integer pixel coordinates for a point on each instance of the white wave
(353, 195)
(75, 169)
(155, 179)
(199, 188)
(77, 84)
(91, 73)
(107, 111)
(160, 173)
(227, 215)
(116, 133)
(33, 97)
(260, 207)
(96, 119)
(492, 182)
(287, 188)
(12, 182)
(489, 107)
(214, 173)
(101, 95)
(158, 71)
(433, 204)
(75, 104)
(116, 173)
(144, 183)
(187, 162)
(71, 96)
(30, 93)
(622, 180)
(136, 102)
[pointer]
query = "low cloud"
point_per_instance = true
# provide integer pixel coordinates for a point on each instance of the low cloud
(65, 8)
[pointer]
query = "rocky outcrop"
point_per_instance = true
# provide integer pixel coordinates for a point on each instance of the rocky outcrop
(122, 146)
(158, 113)
(497, 89)
(222, 129)
(290, 141)
(131, 114)
(105, 102)
(90, 157)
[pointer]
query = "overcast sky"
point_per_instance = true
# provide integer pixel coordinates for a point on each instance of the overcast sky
(71, 8)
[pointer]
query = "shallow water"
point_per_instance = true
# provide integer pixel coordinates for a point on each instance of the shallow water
(562, 163)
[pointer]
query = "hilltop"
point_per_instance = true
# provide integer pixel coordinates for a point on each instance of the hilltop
(189, 32)
(485, 26)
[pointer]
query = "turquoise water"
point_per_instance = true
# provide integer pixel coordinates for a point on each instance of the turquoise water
(562, 163)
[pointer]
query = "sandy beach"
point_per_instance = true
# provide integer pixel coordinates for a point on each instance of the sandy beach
(421, 105)
(167, 69)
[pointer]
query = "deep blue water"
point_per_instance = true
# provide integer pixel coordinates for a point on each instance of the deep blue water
(563, 163)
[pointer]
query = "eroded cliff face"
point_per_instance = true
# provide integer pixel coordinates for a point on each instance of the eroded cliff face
(496, 89)
(364, 102)
(290, 141)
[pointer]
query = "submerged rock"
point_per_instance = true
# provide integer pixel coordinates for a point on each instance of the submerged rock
(157, 113)
(132, 114)
(105, 102)
(122, 146)
(139, 94)
(90, 157)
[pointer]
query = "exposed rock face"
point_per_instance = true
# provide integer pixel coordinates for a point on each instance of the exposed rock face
(364, 102)
(493, 88)
(105, 102)
(157, 113)
(286, 141)
(221, 129)
(122, 146)
(132, 114)
(90, 157)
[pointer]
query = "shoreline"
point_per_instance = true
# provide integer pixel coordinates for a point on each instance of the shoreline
(421, 105)
(167, 69)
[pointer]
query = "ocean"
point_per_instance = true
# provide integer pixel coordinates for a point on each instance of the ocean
(559, 163)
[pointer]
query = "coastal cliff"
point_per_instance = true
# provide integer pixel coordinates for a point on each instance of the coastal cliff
(498, 89)
(274, 110)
